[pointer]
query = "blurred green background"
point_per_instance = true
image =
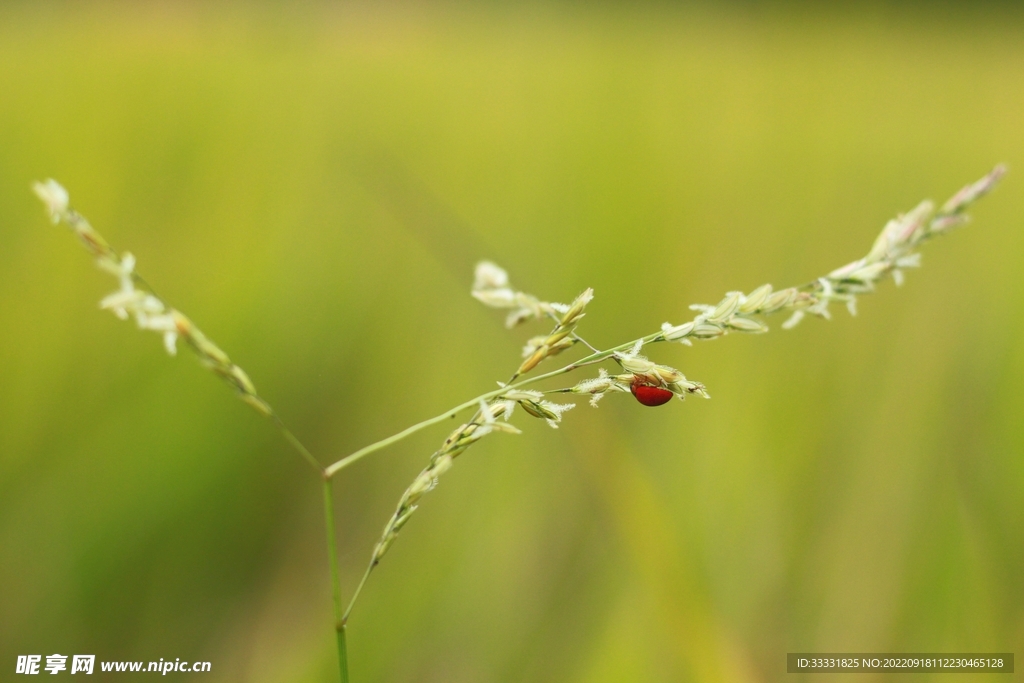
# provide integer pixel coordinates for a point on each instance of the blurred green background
(312, 183)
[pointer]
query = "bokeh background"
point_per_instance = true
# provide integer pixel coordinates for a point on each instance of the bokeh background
(312, 183)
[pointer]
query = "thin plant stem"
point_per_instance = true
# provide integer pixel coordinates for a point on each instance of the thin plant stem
(575, 336)
(342, 655)
(359, 589)
(585, 343)
(332, 557)
(296, 444)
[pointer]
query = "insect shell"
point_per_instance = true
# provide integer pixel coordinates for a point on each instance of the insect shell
(649, 394)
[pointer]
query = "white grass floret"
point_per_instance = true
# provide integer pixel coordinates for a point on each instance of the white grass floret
(54, 197)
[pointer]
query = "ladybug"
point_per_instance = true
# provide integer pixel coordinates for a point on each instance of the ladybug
(648, 394)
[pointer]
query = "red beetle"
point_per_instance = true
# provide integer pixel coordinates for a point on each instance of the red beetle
(649, 394)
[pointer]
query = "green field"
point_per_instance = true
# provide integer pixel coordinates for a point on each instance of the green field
(312, 185)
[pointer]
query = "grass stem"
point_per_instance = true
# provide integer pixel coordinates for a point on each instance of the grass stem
(297, 445)
(332, 556)
(359, 589)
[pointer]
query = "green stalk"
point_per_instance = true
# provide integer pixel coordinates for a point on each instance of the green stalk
(332, 556)
(359, 589)
(296, 444)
